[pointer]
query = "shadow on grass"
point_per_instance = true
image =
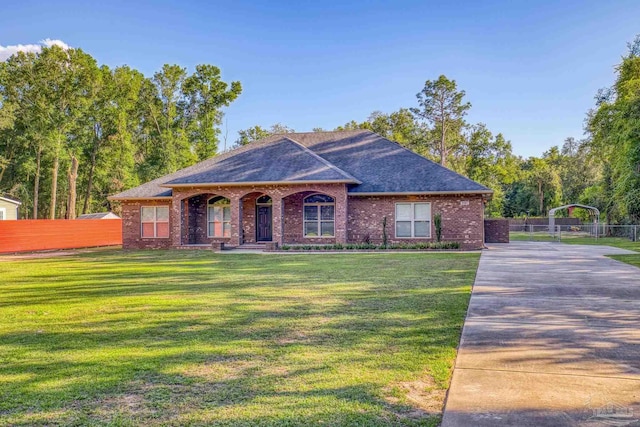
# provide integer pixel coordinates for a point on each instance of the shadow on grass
(169, 337)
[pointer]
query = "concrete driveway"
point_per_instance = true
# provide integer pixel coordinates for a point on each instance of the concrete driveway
(552, 338)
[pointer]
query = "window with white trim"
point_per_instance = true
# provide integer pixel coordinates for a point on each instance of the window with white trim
(319, 216)
(219, 217)
(413, 220)
(3, 214)
(155, 221)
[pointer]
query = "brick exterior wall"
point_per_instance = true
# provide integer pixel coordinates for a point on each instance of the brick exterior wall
(131, 226)
(356, 218)
(462, 219)
(294, 221)
(496, 230)
(249, 217)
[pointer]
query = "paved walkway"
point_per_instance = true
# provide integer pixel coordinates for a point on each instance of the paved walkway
(552, 338)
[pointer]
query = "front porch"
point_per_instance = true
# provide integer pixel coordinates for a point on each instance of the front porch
(279, 215)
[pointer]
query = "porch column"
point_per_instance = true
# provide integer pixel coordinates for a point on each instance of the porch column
(278, 217)
(341, 217)
(175, 220)
(236, 222)
(185, 222)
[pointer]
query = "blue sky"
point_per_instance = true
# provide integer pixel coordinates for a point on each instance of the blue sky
(530, 68)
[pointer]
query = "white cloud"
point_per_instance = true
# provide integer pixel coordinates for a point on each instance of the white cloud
(50, 42)
(7, 51)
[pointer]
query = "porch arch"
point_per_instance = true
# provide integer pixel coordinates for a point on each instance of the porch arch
(194, 217)
(257, 216)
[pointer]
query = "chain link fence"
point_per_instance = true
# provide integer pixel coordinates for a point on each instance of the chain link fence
(544, 233)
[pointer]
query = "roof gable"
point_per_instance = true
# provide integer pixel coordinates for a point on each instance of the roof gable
(282, 160)
(385, 166)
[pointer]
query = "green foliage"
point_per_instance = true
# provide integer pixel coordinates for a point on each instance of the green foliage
(256, 132)
(442, 109)
(614, 131)
(385, 238)
(59, 109)
(374, 247)
(543, 181)
(437, 222)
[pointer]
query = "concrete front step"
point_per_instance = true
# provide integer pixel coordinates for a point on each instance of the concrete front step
(253, 246)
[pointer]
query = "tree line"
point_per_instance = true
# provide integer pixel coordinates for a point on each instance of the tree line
(73, 132)
(437, 129)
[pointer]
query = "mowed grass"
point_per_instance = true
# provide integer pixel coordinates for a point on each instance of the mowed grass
(576, 239)
(618, 242)
(195, 338)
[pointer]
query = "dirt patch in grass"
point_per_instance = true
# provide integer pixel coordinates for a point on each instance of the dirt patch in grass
(127, 405)
(423, 396)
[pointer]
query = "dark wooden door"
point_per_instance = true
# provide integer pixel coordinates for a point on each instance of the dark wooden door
(263, 224)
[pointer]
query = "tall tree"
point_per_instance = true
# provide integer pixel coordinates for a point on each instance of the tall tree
(65, 80)
(108, 129)
(544, 181)
(245, 136)
(443, 110)
(614, 128)
(113, 126)
(490, 161)
(183, 114)
(206, 94)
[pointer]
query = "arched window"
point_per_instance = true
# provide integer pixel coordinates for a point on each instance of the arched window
(219, 217)
(264, 200)
(319, 216)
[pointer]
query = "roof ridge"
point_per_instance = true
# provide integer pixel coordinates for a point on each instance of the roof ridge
(325, 161)
(322, 131)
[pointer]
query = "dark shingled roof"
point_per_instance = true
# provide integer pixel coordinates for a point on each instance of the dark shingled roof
(281, 160)
(384, 166)
(366, 161)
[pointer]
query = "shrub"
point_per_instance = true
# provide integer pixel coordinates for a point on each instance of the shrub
(371, 246)
(384, 232)
(437, 222)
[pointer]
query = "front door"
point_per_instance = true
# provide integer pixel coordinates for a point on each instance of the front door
(263, 223)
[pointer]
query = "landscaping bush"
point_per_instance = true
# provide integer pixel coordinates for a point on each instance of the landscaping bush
(374, 247)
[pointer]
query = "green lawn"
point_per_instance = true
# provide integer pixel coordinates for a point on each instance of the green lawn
(576, 239)
(525, 236)
(194, 338)
(618, 242)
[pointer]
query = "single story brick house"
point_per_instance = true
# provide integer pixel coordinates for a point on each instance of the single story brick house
(317, 187)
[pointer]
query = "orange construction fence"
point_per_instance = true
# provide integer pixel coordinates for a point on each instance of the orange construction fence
(45, 234)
